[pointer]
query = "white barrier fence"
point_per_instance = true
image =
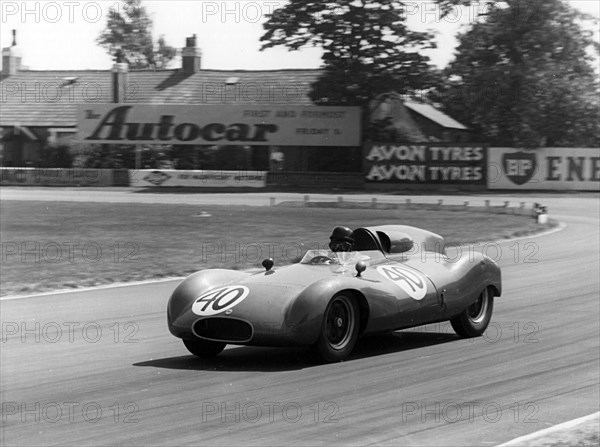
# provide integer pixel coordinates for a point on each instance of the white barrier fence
(215, 179)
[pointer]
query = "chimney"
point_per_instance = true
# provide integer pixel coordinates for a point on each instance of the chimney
(120, 74)
(11, 58)
(191, 56)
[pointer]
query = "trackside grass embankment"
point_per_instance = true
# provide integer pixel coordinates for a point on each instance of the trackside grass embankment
(58, 245)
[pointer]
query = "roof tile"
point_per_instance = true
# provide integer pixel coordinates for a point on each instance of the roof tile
(50, 98)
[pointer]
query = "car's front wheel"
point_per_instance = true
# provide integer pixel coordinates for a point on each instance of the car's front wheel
(339, 329)
(204, 348)
(474, 320)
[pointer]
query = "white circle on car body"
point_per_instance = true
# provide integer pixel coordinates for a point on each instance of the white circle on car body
(410, 281)
(219, 300)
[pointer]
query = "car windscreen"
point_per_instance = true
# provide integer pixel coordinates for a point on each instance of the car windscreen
(341, 257)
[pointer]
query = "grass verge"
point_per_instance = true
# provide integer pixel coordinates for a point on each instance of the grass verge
(58, 245)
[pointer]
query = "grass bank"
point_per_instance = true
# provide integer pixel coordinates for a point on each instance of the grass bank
(58, 245)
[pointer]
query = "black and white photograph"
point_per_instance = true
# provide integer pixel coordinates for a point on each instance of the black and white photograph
(300, 222)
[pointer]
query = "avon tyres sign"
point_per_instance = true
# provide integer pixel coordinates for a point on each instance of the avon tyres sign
(219, 124)
(544, 168)
(434, 163)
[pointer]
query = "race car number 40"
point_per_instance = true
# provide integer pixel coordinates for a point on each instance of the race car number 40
(219, 300)
(412, 282)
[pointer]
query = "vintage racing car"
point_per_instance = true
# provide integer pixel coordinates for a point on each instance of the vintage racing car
(397, 277)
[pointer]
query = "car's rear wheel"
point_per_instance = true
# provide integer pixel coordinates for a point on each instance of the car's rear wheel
(339, 329)
(204, 348)
(474, 320)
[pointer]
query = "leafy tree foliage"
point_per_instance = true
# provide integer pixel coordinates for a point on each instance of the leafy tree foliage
(123, 156)
(523, 76)
(367, 47)
(128, 37)
(164, 54)
(56, 156)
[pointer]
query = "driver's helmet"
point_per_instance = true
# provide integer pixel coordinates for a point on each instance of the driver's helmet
(341, 239)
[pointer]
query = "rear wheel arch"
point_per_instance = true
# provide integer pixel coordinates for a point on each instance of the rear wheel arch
(493, 290)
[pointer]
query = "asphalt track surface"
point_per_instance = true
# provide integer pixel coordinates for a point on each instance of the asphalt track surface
(113, 375)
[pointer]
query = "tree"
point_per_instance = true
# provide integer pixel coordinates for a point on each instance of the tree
(57, 156)
(367, 47)
(523, 76)
(128, 37)
(164, 54)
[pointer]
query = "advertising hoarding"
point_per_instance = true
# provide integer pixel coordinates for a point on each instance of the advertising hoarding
(56, 177)
(251, 125)
(197, 178)
(576, 169)
(425, 163)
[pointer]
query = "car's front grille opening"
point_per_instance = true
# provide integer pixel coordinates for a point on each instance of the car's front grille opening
(223, 329)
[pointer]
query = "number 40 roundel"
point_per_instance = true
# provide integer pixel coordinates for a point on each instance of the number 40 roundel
(410, 281)
(219, 300)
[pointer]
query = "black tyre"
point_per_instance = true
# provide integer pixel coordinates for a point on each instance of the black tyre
(474, 320)
(204, 348)
(339, 330)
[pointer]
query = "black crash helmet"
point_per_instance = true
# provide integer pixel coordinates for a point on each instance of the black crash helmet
(342, 234)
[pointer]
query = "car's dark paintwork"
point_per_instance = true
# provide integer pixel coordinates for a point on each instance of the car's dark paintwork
(285, 305)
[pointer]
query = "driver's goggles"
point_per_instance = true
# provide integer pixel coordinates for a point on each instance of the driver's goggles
(340, 246)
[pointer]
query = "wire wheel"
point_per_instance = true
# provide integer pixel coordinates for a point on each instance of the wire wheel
(339, 330)
(340, 321)
(478, 310)
(474, 320)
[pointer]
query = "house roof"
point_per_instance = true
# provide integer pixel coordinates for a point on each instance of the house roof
(51, 98)
(393, 108)
(434, 115)
(47, 98)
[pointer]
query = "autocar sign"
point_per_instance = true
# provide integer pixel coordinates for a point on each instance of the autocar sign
(219, 124)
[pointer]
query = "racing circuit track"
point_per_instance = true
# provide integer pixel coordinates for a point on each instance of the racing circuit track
(537, 366)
